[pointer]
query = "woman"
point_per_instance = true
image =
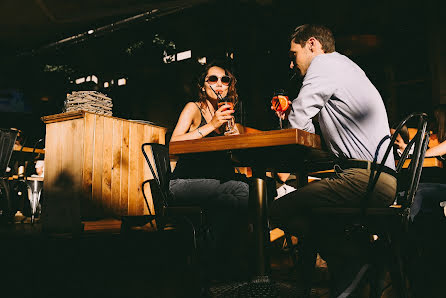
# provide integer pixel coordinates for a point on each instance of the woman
(209, 180)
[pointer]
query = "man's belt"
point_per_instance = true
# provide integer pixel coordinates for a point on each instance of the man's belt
(363, 164)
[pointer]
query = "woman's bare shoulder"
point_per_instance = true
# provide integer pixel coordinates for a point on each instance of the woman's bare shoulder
(192, 106)
(191, 109)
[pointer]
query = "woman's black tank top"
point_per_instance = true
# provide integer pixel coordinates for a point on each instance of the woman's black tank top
(213, 165)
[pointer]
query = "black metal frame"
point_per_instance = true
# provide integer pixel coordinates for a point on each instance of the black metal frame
(420, 141)
(385, 218)
(165, 214)
(7, 141)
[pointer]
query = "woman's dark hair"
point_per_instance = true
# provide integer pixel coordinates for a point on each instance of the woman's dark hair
(232, 90)
(404, 132)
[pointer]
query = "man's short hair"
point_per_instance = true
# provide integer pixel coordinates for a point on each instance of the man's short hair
(324, 35)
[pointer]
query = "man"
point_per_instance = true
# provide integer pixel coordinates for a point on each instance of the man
(353, 122)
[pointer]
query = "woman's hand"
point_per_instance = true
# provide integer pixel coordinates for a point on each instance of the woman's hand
(222, 116)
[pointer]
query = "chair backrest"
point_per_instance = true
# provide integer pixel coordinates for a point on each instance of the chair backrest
(408, 178)
(7, 141)
(161, 171)
(411, 175)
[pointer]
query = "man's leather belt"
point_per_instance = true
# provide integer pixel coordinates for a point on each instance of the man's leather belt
(363, 164)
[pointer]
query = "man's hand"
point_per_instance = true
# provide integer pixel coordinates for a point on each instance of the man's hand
(282, 115)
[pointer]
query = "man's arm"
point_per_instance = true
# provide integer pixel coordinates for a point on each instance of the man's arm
(317, 88)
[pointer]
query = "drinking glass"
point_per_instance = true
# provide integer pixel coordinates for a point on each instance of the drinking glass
(230, 128)
(280, 103)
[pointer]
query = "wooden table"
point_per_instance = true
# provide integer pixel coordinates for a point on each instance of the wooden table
(282, 150)
(28, 149)
(26, 156)
(429, 162)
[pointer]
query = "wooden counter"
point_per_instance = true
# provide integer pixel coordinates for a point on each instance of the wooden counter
(98, 159)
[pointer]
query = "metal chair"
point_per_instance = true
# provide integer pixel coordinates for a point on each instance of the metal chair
(167, 215)
(188, 220)
(388, 224)
(7, 141)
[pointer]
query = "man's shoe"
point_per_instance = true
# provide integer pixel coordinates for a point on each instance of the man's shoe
(283, 190)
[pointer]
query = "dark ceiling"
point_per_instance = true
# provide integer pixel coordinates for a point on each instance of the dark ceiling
(30, 24)
(44, 45)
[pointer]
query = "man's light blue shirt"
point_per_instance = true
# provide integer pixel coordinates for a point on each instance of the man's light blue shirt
(350, 111)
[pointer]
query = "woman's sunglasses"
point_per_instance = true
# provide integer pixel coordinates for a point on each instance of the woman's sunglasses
(225, 80)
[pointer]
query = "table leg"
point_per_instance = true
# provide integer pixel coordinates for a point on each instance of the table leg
(261, 284)
(259, 219)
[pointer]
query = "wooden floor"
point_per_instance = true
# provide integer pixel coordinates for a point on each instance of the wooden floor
(104, 262)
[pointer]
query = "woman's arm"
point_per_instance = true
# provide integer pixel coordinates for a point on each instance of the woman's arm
(183, 130)
(438, 150)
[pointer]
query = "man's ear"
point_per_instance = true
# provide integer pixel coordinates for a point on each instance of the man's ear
(314, 45)
(311, 43)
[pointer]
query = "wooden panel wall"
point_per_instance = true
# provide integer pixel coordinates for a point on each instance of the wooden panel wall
(102, 155)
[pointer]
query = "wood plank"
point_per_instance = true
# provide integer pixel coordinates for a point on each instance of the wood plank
(107, 164)
(69, 153)
(51, 142)
(429, 162)
(125, 168)
(161, 134)
(116, 167)
(433, 139)
(81, 114)
(107, 225)
(253, 140)
(87, 167)
(276, 234)
(138, 197)
(58, 155)
(28, 149)
(153, 136)
(245, 129)
(65, 143)
(63, 117)
(16, 177)
(98, 162)
(133, 169)
(77, 150)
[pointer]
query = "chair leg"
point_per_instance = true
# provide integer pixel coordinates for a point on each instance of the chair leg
(198, 259)
(306, 262)
(397, 270)
(377, 277)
